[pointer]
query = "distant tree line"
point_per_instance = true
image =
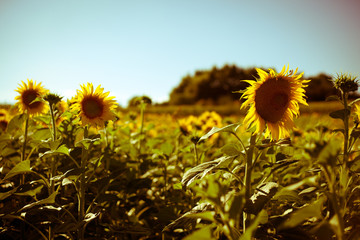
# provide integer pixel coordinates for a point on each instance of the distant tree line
(217, 86)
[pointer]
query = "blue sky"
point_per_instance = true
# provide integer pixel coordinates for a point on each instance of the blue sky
(146, 47)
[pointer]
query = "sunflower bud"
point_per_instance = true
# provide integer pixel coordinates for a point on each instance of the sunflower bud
(52, 98)
(345, 82)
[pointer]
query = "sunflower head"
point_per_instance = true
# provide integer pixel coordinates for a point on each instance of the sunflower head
(345, 82)
(208, 120)
(52, 98)
(187, 125)
(273, 101)
(94, 106)
(30, 98)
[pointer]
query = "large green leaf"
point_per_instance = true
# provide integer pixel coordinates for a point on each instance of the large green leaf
(16, 123)
(340, 114)
(20, 168)
(59, 151)
(204, 233)
(4, 195)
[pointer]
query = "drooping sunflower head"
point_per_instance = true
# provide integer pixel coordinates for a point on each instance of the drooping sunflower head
(94, 107)
(30, 96)
(273, 101)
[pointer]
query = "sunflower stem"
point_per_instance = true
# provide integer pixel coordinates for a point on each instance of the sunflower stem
(81, 207)
(331, 182)
(53, 164)
(196, 157)
(25, 137)
(346, 129)
(22, 176)
(248, 170)
(142, 110)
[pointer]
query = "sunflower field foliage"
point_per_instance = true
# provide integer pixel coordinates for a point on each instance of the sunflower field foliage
(84, 168)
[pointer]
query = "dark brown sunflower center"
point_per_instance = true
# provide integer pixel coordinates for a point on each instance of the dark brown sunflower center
(28, 96)
(92, 107)
(272, 99)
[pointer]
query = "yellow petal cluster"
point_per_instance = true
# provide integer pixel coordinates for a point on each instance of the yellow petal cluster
(93, 106)
(29, 98)
(198, 126)
(273, 100)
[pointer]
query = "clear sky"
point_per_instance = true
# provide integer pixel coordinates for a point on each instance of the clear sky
(138, 47)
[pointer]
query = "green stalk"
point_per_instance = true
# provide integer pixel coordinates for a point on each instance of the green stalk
(142, 110)
(346, 130)
(248, 170)
(53, 164)
(81, 207)
(196, 155)
(22, 177)
(331, 182)
(53, 121)
(25, 137)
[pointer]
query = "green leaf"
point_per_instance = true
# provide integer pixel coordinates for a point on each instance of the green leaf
(31, 192)
(167, 148)
(231, 149)
(48, 200)
(201, 170)
(61, 150)
(4, 195)
(16, 123)
(312, 181)
(340, 114)
(355, 134)
(301, 215)
(204, 233)
(332, 98)
(41, 134)
(86, 142)
(21, 167)
(237, 205)
(252, 228)
(329, 153)
(353, 102)
(191, 217)
(264, 193)
(229, 128)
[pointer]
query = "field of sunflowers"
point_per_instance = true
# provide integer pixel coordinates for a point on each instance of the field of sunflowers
(86, 169)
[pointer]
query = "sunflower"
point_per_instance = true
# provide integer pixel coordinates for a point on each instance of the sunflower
(274, 101)
(208, 120)
(4, 119)
(187, 125)
(27, 100)
(94, 107)
(357, 111)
